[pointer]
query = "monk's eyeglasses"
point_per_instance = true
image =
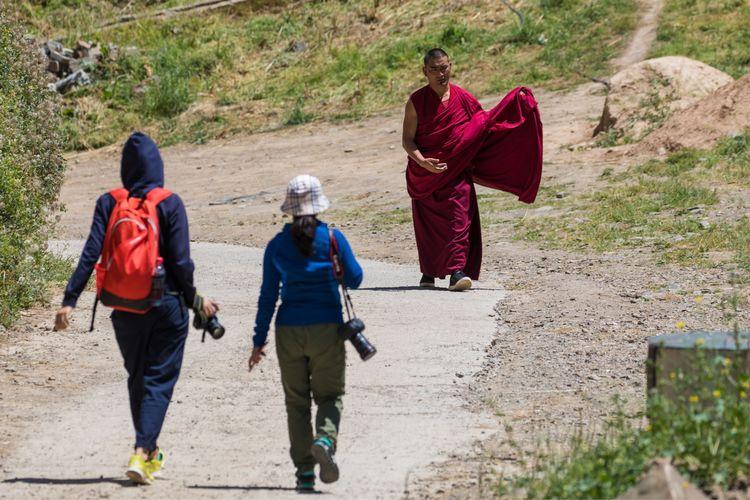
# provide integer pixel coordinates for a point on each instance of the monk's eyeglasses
(439, 69)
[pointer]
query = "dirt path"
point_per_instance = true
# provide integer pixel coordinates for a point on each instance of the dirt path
(644, 35)
(402, 408)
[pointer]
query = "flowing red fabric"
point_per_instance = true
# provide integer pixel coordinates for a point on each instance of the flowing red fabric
(500, 148)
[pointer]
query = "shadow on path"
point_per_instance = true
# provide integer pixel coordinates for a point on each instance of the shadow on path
(247, 488)
(421, 288)
(70, 481)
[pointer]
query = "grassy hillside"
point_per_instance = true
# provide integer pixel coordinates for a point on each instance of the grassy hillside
(688, 209)
(197, 77)
(715, 32)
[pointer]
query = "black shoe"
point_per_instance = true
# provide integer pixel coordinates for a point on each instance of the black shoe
(306, 481)
(459, 282)
(322, 452)
(427, 281)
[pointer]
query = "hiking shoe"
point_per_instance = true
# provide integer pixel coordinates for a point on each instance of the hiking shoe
(459, 282)
(156, 463)
(138, 470)
(306, 481)
(322, 452)
(427, 281)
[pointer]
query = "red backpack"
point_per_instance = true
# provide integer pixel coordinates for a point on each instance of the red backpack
(130, 274)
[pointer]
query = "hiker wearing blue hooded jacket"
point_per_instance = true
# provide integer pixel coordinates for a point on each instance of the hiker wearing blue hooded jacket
(297, 265)
(152, 344)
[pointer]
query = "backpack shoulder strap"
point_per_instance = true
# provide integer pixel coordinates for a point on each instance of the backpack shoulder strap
(157, 195)
(119, 194)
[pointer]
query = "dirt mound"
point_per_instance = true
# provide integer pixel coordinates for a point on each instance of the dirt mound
(725, 112)
(644, 95)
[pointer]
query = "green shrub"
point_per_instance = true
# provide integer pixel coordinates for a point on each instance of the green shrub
(31, 172)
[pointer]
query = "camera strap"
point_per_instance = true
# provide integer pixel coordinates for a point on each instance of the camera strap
(338, 273)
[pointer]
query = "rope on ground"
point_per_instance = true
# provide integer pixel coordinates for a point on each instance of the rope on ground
(517, 12)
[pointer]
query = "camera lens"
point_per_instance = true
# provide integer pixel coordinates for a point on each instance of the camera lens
(365, 349)
(215, 328)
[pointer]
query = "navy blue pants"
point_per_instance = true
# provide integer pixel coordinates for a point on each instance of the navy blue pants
(152, 346)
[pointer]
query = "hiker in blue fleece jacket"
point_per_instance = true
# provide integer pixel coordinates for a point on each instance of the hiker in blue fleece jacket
(152, 344)
(309, 348)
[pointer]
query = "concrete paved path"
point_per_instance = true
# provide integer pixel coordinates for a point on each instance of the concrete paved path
(226, 429)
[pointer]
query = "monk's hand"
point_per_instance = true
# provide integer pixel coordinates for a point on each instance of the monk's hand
(434, 165)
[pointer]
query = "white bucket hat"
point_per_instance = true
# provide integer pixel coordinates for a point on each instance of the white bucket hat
(304, 196)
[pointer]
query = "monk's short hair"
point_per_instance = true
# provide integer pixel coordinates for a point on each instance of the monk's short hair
(435, 53)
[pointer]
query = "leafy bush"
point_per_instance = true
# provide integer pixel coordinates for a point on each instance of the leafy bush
(31, 172)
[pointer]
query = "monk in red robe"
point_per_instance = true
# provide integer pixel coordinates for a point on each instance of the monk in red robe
(452, 144)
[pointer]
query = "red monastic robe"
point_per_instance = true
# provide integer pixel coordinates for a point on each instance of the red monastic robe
(500, 149)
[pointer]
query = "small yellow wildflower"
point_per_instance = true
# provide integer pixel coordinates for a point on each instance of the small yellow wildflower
(672, 375)
(680, 325)
(745, 384)
(743, 394)
(647, 428)
(700, 342)
(698, 299)
(693, 398)
(717, 393)
(727, 361)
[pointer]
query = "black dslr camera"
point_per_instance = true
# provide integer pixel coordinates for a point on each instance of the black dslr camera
(210, 325)
(352, 330)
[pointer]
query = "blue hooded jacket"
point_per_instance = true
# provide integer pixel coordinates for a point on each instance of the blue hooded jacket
(141, 170)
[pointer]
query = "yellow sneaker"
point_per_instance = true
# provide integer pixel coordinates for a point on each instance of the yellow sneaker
(138, 470)
(156, 463)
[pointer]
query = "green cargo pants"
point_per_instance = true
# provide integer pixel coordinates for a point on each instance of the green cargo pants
(312, 361)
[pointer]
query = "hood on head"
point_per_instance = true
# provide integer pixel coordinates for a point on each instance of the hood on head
(141, 167)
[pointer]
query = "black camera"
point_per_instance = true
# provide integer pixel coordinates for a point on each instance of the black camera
(210, 325)
(352, 330)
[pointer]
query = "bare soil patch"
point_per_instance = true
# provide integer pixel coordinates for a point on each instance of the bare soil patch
(724, 112)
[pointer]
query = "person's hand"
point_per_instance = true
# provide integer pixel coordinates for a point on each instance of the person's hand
(257, 354)
(434, 165)
(205, 308)
(210, 307)
(62, 318)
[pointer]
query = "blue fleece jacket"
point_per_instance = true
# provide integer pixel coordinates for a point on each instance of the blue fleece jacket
(141, 169)
(309, 290)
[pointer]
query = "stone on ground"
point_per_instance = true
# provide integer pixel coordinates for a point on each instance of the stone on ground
(662, 480)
